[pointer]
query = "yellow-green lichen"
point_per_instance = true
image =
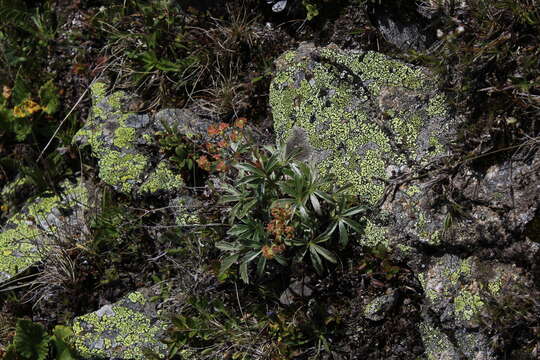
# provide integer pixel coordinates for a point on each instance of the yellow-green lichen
(162, 179)
(120, 163)
(118, 331)
(183, 216)
(374, 235)
(338, 118)
(124, 137)
(122, 170)
(467, 304)
(431, 237)
(22, 240)
(437, 106)
(437, 344)
(137, 297)
(494, 286)
(463, 271)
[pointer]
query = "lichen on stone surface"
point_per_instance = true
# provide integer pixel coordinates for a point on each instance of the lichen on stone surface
(347, 102)
(122, 170)
(113, 142)
(162, 178)
(118, 139)
(22, 240)
(183, 214)
(122, 330)
(374, 235)
(436, 343)
(467, 305)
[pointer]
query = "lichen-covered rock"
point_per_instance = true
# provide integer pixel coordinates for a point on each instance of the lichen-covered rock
(377, 308)
(121, 141)
(500, 202)
(458, 291)
(25, 238)
(186, 211)
(184, 121)
(121, 330)
(439, 345)
(362, 113)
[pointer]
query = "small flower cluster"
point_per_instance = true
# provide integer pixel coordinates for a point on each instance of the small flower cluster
(218, 150)
(270, 251)
(24, 109)
(280, 229)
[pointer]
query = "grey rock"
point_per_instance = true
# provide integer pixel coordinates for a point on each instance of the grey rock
(296, 289)
(377, 309)
(121, 330)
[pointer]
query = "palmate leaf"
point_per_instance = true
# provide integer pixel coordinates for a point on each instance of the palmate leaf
(316, 260)
(353, 211)
(31, 340)
(251, 169)
(355, 225)
(227, 246)
(246, 208)
(261, 265)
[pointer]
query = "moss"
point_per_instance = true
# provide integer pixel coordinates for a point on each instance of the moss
(374, 235)
(162, 179)
(337, 115)
(118, 331)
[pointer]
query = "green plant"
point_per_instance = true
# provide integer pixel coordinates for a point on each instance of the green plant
(212, 330)
(311, 9)
(32, 342)
(282, 210)
(21, 115)
(181, 148)
(161, 56)
(302, 331)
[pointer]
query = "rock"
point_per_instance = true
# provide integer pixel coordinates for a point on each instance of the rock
(377, 308)
(297, 288)
(121, 330)
(27, 235)
(361, 113)
(497, 204)
(123, 141)
(402, 24)
(468, 232)
(457, 293)
(184, 121)
(186, 210)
